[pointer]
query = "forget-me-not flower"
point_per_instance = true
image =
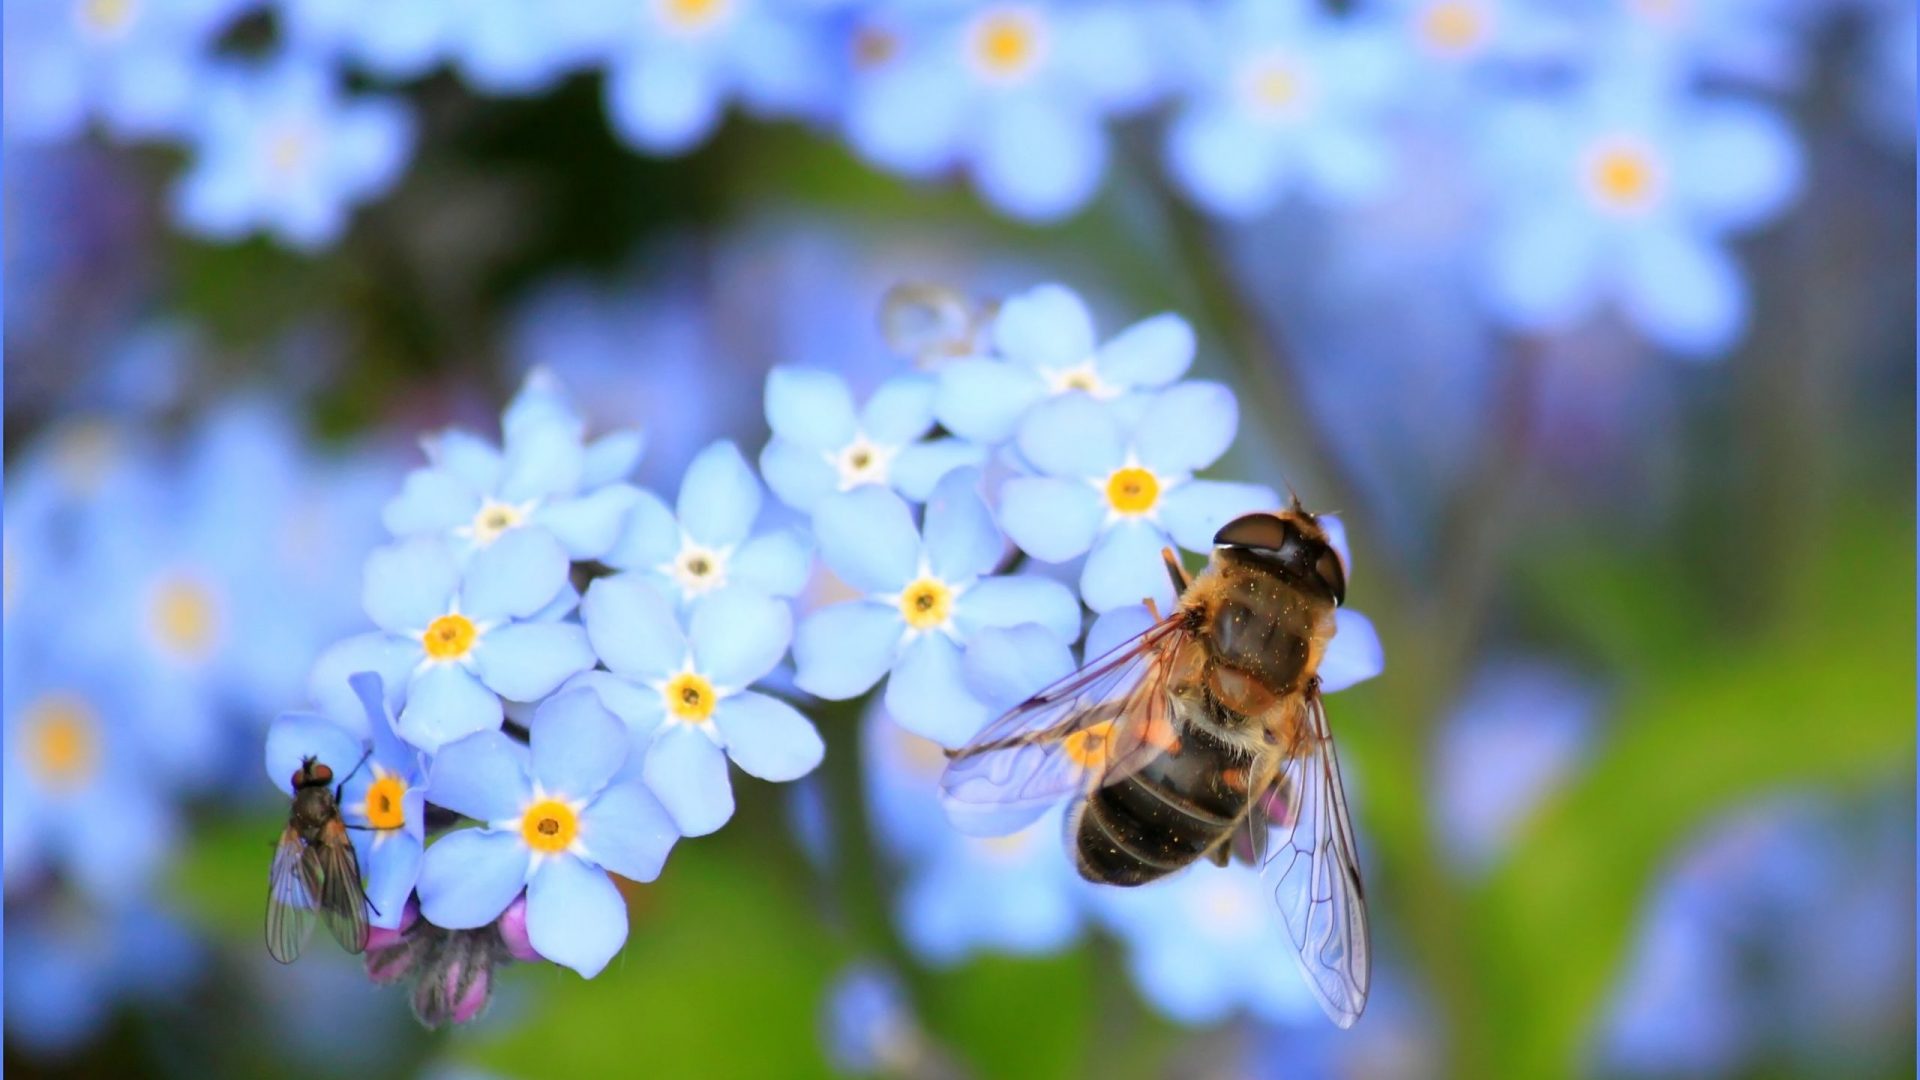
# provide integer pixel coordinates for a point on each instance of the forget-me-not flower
(514, 47)
(1045, 346)
(927, 592)
(707, 542)
(553, 820)
(546, 475)
(395, 39)
(384, 792)
(821, 444)
(684, 695)
(279, 149)
(1118, 492)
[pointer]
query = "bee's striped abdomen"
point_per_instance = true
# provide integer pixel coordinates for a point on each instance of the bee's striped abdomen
(1177, 807)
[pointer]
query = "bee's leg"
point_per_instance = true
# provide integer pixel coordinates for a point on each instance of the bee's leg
(1175, 572)
(357, 766)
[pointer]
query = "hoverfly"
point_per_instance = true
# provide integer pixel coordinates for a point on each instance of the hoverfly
(1203, 737)
(315, 869)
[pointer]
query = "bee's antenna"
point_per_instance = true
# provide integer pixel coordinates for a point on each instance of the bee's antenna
(1293, 497)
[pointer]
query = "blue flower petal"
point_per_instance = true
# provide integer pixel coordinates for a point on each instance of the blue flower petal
(1195, 511)
(516, 575)
(469, 876)
(1738, 164)
(1684, 291)
(1072, 436)
(473, 459)
(588, 527)
(1039, 159)
(778, 563)
(664, 100)
(1022, 598)
(962, 542)
(1336, 531)
(928, 695)
(811, 409)
(649, 537)
(542, 460)
(738, 635)
(392, 658)
(1048, 326)
(867, 537)
(612, 457)
(527, 661)
(768, 737)
(900, 411)
(430, 501)
(983, 400)
(1147, 355)
(1117, 627)
(627, 831)
(1187, 427)
(719, 498)
(921, 466)
(294, 736)
(409, 584)
(1124, 568)
(482, 776)
(841, 651)
(575, 916)
(577, 745)
(633, 627)
(391, 864)
(800, 476)
(1543, 268)
(688, 774)
(1004, 666)
(637, 706)
(1225, 162)
(1354, 655)
(445, 702)
(1052, 520)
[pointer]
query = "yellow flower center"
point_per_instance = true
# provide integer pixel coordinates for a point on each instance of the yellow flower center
(692, 16)
(184, 617)
(1623, 176)
(106, 16)
(690, 697)
(1006, 43)
(926, 603)
(549, 826)
(493, 519)
(1453, 27)
(449, 637)
(1274, 86)
(384, 808)
(62, 740)
(1133, 490)
(1087, 747)
(287, 151)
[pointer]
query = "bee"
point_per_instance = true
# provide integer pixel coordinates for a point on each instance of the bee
(1202, 738)
(315, 869)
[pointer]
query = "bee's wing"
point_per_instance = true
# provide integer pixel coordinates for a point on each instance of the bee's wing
(1093, 727)
(1308, 856)
(343, 900)
(293, 892)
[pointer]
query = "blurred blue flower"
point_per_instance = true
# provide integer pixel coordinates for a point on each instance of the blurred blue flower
(868, 1023)
(278, 149)
(514, 47)
(70, 964)
(926, 596)
(1883, 79)
(1626, 191)
(394, 39)
(1123, 490)
(138, 66)
(674, 65)
(1284, 97)
(384, 794)
(709, 543)
(822, 445)
(1018, 92)
(457, 640)
(547, 476)
(553, 821)
(1758, 43)
(1045, 346)
(683, 693)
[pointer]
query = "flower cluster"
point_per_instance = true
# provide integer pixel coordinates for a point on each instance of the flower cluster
(1647, 140)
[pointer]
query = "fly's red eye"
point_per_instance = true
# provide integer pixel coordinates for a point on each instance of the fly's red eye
(319, 774)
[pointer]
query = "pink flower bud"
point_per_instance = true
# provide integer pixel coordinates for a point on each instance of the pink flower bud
(513, 931)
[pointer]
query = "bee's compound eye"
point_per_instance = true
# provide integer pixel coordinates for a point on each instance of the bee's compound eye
(1333, 572)
(1263, 531)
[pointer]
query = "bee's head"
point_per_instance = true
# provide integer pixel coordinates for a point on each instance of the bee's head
(1294, 542)
(312, 773)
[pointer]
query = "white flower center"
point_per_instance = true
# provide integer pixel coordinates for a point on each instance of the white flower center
(697, 569)
(1083, 377)
(863, 461)
(1275, 86)
(492, 519)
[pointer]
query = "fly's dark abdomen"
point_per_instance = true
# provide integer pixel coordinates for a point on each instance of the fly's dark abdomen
(1177, 807)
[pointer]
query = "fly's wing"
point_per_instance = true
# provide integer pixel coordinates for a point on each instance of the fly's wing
(293, 893)
(343, 901)
(1309, 858)
(1093, 727)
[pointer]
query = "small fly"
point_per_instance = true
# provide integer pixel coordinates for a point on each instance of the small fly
(315, 869)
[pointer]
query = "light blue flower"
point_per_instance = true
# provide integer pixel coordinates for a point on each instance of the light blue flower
(138, 66)
(395, 39)
(279, 149)
(1120, 491)
(457, 640)
(821, 444)
(1284, 97)
(384, 792)
(1044, 345)
(516, 47)
(70, 964)
(683, 693)
(1016, 92)
(675, 63)
(554, 821)
(868, 1025)
(925, 597)
(547, 477)
(709, 543)
(1626, 192)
